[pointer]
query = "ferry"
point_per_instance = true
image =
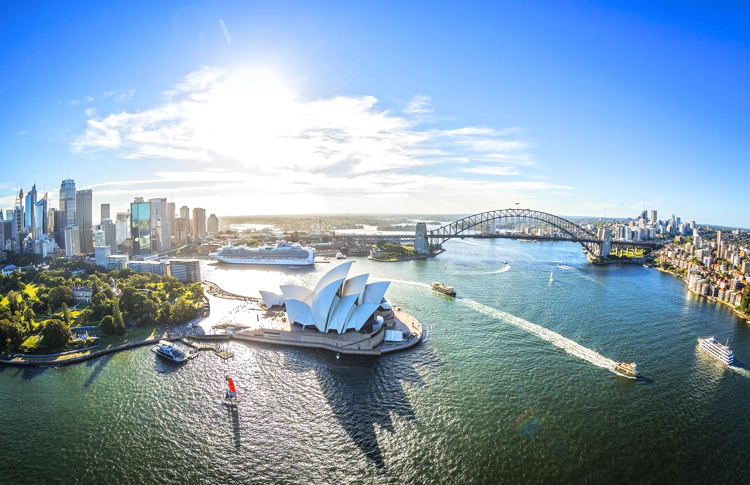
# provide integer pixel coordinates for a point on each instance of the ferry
(441, 288)
(170, 351)
(340, 255)
(627, 370)
(720, 352)
(283, 253)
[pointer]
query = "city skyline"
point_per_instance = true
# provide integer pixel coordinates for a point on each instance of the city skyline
(270, 110)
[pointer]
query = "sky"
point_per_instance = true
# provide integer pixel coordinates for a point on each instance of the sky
(575, 108)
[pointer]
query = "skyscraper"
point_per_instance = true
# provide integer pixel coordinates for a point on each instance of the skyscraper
(84, 217)
(161, 237)
(185, 212)
(653, 217)
(30, 220)
(105, 212)
(180, 231)
(171, 214)
(212, 225)
(68, 200)
(199, 223)
(140, 225)
(59, 227)
(41, 223)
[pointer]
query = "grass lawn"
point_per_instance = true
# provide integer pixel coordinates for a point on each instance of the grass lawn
(31, 342)
(131, 336)
(29, 290)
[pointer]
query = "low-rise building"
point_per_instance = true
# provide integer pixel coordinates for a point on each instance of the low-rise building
(82, 295)
(157, 267)
(186, 270)
(117, 261)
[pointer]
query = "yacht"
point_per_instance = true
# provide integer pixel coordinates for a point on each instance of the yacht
(283, 253)
(627, 370)
(170, 351)
(444, 289)
(720, 352)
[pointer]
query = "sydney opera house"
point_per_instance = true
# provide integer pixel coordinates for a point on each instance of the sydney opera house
(346, 315)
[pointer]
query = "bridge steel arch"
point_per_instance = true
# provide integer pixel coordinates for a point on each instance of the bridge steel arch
(590, 242)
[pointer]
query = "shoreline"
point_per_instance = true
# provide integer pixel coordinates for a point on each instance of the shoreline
(741, 315)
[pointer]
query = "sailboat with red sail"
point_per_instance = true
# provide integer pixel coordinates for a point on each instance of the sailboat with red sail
(230, 397)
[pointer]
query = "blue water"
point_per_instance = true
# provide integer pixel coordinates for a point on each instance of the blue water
(510, 386)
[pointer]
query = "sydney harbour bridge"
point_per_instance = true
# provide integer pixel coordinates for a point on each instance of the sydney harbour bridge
(485, 225)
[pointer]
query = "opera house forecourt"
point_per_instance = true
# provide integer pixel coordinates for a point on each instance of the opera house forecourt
(344, 315)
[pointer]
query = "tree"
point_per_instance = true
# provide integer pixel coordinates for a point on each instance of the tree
(59, 295)
(183, 311)
(165, 314)
(108, 325)
(117, 315)
(66, 314)
(28, 317)
(11, 334)
(56, 335)
(13, 301)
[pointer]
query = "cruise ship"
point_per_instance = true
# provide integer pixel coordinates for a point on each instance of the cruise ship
(720, 352)
(283, 253)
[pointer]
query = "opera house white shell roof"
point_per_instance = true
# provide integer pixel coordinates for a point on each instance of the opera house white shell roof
(335, 304)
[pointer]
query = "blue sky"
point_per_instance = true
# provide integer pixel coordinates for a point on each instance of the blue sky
(576, 108)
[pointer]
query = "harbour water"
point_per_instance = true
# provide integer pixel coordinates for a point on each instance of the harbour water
(512, 385)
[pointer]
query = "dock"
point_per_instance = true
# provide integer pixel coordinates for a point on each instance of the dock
(197, 346)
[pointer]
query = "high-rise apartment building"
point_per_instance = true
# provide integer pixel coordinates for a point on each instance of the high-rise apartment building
(68, 201)
(140, 225)
(72, 240)
(212, 224)
(84, 219)
(104, 212)
(110, 235)
(184, 212)
(199, 223)
(653, 217)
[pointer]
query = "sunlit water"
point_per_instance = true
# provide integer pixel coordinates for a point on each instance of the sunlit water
(512, 385)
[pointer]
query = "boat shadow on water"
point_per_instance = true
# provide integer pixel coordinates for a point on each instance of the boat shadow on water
(364, 392)
(234, 417)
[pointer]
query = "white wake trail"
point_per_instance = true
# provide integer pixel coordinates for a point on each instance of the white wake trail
(573, 348)
(501, 270)
(404, 282)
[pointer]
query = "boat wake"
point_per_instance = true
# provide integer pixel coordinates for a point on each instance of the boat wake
(501, 270)
(562, 266)
(573, 348)
(740, 370)
(404, 282)
(586, 277)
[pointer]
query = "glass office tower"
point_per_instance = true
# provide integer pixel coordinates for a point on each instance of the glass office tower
(140, 225)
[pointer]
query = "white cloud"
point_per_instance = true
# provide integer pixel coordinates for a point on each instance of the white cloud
(420, 105)
(257, 138)
(90, 99)
(74, 102)
(118, 94)
(23, 132)
(90, 111)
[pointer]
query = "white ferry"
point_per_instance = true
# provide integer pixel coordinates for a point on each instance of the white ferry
(283, 253)
(720, 352)
(170, 351)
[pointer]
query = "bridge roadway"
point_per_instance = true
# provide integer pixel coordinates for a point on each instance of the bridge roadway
(402, 237)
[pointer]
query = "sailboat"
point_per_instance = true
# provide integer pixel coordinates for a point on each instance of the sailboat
(550, 276)
(230, 398)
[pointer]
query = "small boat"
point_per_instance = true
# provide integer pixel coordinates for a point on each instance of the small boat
(230, 397)
(627, 370)
(550, 276)
(444, 289)
(170, 351)
(720, 352)
(340, 255)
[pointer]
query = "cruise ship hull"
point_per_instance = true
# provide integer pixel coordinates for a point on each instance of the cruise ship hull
(263, 262)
